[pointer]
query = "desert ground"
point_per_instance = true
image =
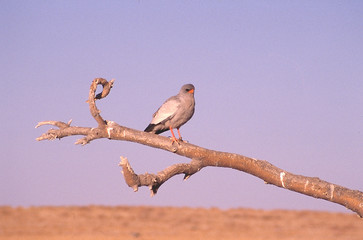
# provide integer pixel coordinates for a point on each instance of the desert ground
(125, 222)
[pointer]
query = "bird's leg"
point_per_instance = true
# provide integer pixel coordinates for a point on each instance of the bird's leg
(180, 137)
(173, 139)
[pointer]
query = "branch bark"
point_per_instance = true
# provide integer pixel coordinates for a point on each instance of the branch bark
(200, 158)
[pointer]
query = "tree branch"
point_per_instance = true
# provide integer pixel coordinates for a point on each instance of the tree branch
(200, 158)
(154, 181)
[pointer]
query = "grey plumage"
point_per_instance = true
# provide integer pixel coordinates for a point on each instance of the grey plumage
(174, 112)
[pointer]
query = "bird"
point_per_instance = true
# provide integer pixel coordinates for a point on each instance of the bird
(174, 113)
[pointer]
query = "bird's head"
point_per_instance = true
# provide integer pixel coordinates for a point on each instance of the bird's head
(188, 88)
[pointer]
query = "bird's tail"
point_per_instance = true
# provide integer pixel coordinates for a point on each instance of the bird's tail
(149, 128)
(152, 128)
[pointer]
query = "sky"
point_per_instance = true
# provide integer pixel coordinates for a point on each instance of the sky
(280, 81)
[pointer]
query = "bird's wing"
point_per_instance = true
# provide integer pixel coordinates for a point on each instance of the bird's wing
(166, 111)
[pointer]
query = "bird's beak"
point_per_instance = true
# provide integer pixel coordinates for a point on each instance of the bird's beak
(191, 91)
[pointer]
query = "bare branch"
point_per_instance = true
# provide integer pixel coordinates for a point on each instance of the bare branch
(91, 99)
(106, 88)
(155, 181)
(200, 157)
(55, 123)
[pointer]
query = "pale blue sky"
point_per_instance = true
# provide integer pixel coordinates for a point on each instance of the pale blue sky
(279, 81)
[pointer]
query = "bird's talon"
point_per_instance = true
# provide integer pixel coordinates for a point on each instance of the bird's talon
(181, 140)
(173, 140)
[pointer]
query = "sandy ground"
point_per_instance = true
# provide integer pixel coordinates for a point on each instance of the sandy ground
(98, 222)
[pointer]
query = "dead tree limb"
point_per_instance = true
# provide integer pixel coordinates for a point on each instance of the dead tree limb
(200, 158)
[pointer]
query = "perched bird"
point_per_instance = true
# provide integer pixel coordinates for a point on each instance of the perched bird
(174, 112)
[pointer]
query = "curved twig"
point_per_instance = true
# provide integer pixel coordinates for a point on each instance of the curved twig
(154, 181)
(92, 98)
(201, 157)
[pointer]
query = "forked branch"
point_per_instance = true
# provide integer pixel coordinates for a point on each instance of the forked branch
(200, 158)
